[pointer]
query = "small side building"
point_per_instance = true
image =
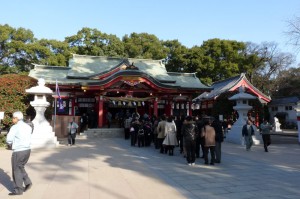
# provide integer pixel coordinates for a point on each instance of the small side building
(284, 110)
(207, 102)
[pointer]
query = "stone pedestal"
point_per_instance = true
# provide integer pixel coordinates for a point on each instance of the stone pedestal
(43, 135)
(242, 107)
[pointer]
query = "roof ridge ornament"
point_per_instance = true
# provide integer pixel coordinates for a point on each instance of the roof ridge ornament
(131, 67)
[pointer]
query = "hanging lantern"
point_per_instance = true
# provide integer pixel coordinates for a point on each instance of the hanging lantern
(119, 103)
(124, 103)
(134, 103)
(129, 104)
(143, 103)
(139, 103)
(114, 102)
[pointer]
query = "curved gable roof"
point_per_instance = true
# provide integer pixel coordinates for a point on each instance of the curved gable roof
(232, 84)
(99, 70)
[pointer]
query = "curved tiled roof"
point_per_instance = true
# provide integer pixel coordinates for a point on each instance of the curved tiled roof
(228, 85)
(84, 70)
(285, 100)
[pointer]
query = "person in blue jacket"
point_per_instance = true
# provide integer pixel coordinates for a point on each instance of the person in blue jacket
(19, 137)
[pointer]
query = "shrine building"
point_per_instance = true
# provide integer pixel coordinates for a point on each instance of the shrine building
(224, 89)
(102, 84)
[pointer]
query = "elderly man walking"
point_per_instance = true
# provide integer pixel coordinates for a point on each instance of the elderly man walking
(19, 137)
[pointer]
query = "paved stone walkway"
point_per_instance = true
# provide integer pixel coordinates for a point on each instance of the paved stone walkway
(110, 168)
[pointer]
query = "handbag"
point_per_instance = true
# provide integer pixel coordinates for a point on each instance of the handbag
(9, 146)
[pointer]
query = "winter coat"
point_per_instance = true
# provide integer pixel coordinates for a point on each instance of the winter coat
(245, 130)
(265, 128)
(170, 138)
(161, 129)
(219, 131)
(190, 131)
(209, 134)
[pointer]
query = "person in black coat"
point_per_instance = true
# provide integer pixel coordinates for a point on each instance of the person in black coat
(247, 133)
(83, 122)
(190, 132)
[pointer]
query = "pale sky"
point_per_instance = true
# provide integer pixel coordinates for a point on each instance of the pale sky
(189, 21)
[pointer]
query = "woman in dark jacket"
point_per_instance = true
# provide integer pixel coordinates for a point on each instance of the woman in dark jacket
(190, 132)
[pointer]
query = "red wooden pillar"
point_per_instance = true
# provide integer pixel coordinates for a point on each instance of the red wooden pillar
(256, 118)
(100, 112)
(155, 110)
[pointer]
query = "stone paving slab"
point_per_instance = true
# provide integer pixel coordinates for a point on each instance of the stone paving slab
(110, 168)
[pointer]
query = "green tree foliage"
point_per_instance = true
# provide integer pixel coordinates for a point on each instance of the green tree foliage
(19, 49)
(51, 52)
(13, 96)
(8, 70)
(89, 41)
(175, 60)
(14, 47)
(221, 59)
(144, 45)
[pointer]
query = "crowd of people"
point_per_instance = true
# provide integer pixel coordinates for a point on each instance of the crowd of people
(193, 135)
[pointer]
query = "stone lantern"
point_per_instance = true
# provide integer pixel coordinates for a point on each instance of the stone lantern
(42, 135)
(242, 107)
(297, 109)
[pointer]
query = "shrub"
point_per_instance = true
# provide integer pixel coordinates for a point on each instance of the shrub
(13, 96)
(2, 140)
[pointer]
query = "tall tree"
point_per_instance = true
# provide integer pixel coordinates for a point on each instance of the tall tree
(89, 41)
(51, 52)
(145, 46)
(264, 62)
(14, 47)
(176, 60)
(293, 32)
(221, 59)
(287, 83)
